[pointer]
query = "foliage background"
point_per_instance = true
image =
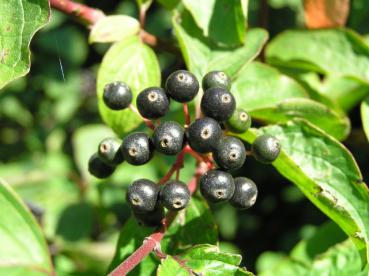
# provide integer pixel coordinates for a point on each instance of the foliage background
(50, 119)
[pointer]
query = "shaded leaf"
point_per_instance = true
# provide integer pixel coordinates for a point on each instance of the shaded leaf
(223, 21)
(333, 52)
(23, 247)
(134, 63)
(364, 108)
(114, 28)
(326, 173)
(20, 19)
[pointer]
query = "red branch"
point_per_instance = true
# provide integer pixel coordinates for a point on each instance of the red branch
(175, 168)
(153, 241)
(187, 115)
(88, 15)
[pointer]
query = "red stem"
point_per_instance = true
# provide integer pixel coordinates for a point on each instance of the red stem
(88, 15)
(178, 164)
(148, 122)
(187, 115)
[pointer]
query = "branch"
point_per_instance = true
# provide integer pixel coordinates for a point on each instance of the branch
(153, 241)
(82, 12)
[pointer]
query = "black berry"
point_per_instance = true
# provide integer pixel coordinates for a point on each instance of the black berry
(218, 103)
(168, 138)
(98, 168)
(216, 79)
(152, 218)
(109, 151)
(137, 148)
(204, 134)
(152, 103)
(182, 86)
(142, 195)
(245, 193)
(266, 148)
(239, 122)
(117, 95)
(175, 195)
(217, 186)
(230, 153)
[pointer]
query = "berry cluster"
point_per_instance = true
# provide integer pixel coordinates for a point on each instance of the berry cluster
(205, 138)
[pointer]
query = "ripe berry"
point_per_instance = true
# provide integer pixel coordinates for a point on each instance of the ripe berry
(239, 122)
(266, 148)
(152, 103)
(117, 95)
(230, 153)
(137, 148)
(218, 103)
(142, 195)
(168, 138)
(216, 186)
(150, 219)
(245, 193)
(98, 168)
(109, 151)
(204, 134)
(216, 79)
(182, 86)
(175, 195)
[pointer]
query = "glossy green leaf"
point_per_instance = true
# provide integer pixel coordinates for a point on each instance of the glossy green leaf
(364, 108)
(205, 260)
(170, 266)
(314, 112)
(332, 52)
(326, 173)
(255, 90)
(223, 21)
(20, 20)
(114, 28)
(183, 232)
(201, 56)
(134, 63)
(341, 259)
(23, 248)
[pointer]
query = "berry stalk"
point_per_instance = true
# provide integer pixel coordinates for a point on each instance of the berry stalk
(147, 122)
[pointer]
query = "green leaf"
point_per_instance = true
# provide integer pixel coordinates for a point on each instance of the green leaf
(23, 248)
(183, 232)
(144, 4)
(201, 56)
(364, 108)
(205, 260)
(169, 4)
(134, 63)
(169, 266)
(20, 19)
(316, 113)
(326, 173)
(223, 21)
(255, 90)
(338, 52)
(114, 28)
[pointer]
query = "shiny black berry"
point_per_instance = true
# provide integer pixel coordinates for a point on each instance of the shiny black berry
(117, 95)
(152, 218)
(137, 148)
(109, 151)
(230, 153)
(182, 86)
(216, 79)
(218, 103)
(245, 193)
(98, 168)
(239, 122)
(266, 148)
(204, 134)
(142, 195)
(168, 138)
(175, 195)
(152, 103)
(216, 186)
